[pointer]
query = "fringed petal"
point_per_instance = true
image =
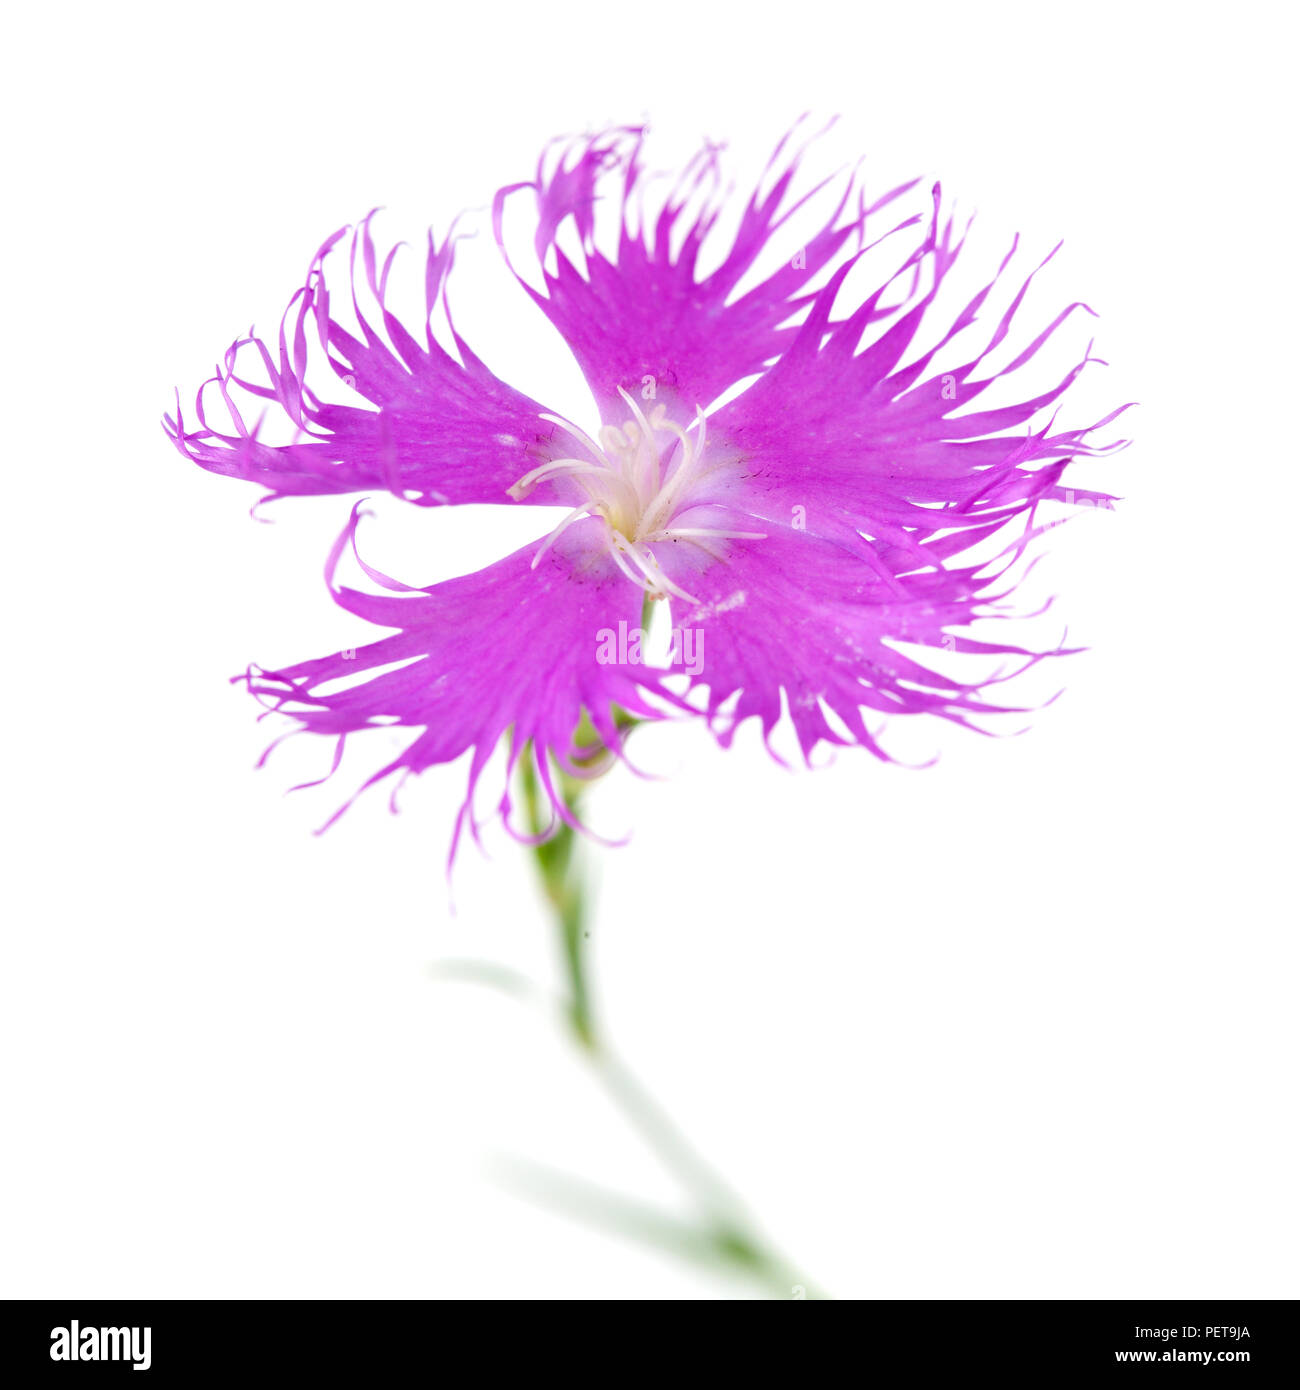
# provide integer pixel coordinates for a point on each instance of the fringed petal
(432, 429)
(645, 321)
(803, 618)
(511, 649)
(842, 437)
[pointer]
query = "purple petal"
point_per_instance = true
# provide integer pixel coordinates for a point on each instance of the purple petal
(509, 649)
(644, 320)
(797, 615)
(842, 434)
(431, 429)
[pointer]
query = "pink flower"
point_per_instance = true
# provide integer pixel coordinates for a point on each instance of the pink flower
(801, 530)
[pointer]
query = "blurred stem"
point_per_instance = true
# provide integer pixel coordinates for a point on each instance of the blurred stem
(559, 866)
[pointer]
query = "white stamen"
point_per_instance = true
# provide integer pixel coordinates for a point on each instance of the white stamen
(624, 483)
(575, 515)
(706, 531)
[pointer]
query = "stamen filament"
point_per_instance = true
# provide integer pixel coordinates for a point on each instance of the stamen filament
(576, 514)
(630, 486)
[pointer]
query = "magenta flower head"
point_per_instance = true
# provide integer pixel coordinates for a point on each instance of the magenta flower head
(802, 531)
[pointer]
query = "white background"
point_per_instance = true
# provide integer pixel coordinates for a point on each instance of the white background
(1021, 1024)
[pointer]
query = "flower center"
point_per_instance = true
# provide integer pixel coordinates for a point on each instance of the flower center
(637, 479)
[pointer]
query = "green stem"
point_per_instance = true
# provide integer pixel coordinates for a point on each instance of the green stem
(559, 866)
(561, 877)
